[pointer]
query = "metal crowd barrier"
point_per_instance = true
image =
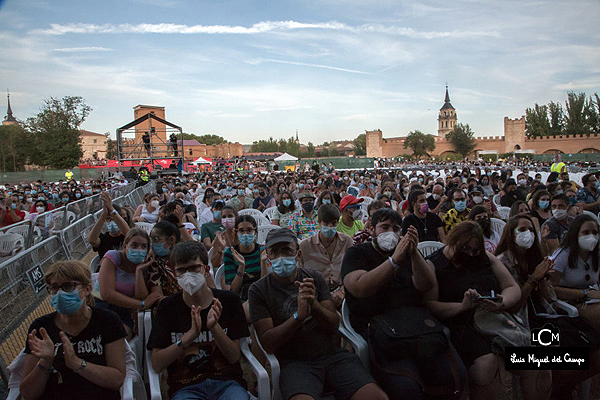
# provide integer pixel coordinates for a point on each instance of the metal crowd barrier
(22, 291)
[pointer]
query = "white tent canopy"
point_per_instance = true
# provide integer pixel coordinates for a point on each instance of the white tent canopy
(286, 157)
(201, 160)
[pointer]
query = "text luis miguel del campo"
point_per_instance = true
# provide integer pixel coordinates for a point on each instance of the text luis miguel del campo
(547, 354)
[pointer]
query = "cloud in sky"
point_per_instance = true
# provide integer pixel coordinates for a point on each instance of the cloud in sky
(329, 68)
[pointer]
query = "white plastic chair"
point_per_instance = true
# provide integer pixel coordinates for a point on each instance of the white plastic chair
(262, 221)
(154, 378)
(263, 230)
(353, 190)
(11, 244)
(591, 214)
(147, 226)
(218, 276)
(268, 213)
(504, 212)
(497, 225)
(95, 264)
(496, 200)
(361, 345)
(429, 247)
(251, 211)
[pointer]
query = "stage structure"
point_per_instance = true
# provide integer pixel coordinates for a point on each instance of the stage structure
(151, 141)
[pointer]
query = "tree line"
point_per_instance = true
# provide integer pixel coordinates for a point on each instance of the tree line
(579, 116)
(328, 149)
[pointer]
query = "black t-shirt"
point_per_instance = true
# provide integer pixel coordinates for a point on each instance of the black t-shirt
(270, 299)
(427, 227)
(398, 292)
(432, 203)
(203, 359)
(108, 242)
(104, 327)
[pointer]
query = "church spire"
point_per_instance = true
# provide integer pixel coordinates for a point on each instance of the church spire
(447, 101)
(9, 119)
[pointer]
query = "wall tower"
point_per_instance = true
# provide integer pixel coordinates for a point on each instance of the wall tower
(447, 117)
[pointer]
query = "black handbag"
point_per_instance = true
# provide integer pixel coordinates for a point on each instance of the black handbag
(413, 333)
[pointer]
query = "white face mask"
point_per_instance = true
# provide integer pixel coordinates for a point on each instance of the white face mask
(40, 209)
(356, 214)
(436, 196)
(191, 282)
(525, 239)
(588, 242)
(559, 214)
(154, 203)
(477, 199)
(387, 241)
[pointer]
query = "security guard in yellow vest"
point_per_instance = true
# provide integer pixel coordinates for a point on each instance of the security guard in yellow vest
(69, 175)
(558, 165)
(144, 175)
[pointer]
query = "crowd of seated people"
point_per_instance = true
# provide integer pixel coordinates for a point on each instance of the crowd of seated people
(336, 236)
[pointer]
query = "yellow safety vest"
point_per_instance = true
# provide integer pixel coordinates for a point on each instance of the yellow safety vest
(557, 167)
(144, 175)
(69, 175)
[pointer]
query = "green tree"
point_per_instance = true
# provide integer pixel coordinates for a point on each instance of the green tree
(575, 118)
(420, 143)
(265, 146)
(310, 150)
(536, 121)
(208, 139)
(55, 132)
(557, 118)
(15, 147)
(333, 151)
(462, 138)
(111, 149)
(360, 145)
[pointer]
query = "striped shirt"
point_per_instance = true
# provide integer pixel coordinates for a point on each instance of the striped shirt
(251, 269)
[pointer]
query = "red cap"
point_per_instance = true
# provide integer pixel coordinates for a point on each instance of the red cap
(349, 200)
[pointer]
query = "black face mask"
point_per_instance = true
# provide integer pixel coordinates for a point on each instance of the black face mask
(261, 193)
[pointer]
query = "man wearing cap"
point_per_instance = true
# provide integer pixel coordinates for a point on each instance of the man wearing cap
(303, 222)
(209, 230)
(295, 319)
(350, 222)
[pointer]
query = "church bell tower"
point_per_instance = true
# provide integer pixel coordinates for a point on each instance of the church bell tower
(447, 117)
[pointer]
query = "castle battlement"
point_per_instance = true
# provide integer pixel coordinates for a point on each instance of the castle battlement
(562, 137)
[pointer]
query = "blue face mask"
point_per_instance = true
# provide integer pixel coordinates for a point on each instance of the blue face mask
(559, 192)
(328, 231)
(136, 256)
(159, 249)
(34, 192)
(251, 186)
(286, 202)
(228, 187)
(13, 206)
(89, 191)
(460, 206)
(246, 239)
(77, 195)
(241, 192)
(217, 214)
(543, 204)
(112, 227)
(326, 201)
(66, 303)
(284, 266)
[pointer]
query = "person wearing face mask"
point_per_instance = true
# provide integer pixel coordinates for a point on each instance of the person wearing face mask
(241, 201)
(325, 197)
(242, 262)
(303, 222)
(511, 194)
(482, 216)
(428, 225)
(195, 333)
(555, 228)
(350, 222)
(522, 255)
(437, 199)
(116, 228)
(465, 272)
(294, 317)
(576, 268)
(121, 279)
(79, 350)
(226, 238)
(264, 199)
(10, 212)
(458, 213)
(285, 207)
(488, 190)
(208, 230)
(160, 277)
(148, 210)
(540, 207)
(325, 251)
(589, 194)
(382, 278)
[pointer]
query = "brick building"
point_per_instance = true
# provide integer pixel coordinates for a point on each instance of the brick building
(93, 145)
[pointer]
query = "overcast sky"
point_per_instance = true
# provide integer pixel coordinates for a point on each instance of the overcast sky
(331, 69)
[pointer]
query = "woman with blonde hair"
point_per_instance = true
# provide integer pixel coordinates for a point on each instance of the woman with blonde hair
(77, 352)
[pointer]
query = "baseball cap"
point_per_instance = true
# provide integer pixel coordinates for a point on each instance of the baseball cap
(476, 189)
(349, 200)
(305, 194)
(280, 235)
(218, 202)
